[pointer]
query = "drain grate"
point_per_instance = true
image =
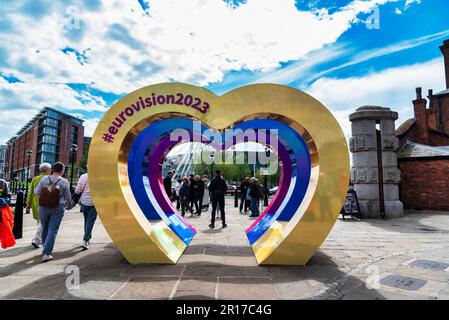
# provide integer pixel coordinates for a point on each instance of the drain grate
(429, 264)
(403, 282)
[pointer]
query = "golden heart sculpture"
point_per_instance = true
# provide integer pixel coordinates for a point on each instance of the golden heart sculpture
(128, 147)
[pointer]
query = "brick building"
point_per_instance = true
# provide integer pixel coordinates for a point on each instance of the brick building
(49, 135)
(425, 177)
(2, 160)
(424, 149)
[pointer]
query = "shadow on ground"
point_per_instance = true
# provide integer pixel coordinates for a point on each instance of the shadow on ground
(105, 274)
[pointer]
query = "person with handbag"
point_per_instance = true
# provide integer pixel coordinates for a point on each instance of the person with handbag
(54, 198)
(32, 202)
(82, 195)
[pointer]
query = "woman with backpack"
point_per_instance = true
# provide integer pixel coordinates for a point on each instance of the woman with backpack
(54, 198)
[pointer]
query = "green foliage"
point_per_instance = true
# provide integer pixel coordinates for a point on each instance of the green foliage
(234, 172)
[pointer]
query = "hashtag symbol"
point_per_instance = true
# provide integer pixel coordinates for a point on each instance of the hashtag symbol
(108, 138)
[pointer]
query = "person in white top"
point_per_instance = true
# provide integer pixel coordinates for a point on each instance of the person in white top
(87, 208)
(177, 188)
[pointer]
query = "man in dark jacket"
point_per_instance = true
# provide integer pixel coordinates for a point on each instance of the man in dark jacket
(167, 184)
(191, 204)
(218, 188)
(184, 193)
(256, 194)
(197, 187)
(244, 204)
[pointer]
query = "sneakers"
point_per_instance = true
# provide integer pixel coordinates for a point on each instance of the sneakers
(224, 225)
(35, 243)
(47, 257)
(211, 226)
(85, 245)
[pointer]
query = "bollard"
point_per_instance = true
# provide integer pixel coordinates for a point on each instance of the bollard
(18, 216)
(236, 199)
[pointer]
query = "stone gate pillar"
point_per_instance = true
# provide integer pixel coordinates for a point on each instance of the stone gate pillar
(375, 171)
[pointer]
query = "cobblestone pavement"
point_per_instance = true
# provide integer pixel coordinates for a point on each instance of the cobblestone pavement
(359, 260)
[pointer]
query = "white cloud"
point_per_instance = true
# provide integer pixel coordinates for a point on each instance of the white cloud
(380, 52)
(393, 88)
(408, 3)
(191, 41)
(126, 48)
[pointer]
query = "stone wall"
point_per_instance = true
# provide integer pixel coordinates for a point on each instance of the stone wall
(425, 184)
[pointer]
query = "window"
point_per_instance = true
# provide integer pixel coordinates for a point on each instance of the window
(47, 147)
(73, 134)
(51, 122)
(47, 157)
(51, 131)
(49, 139)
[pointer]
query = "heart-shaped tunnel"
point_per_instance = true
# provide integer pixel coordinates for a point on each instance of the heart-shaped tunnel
(151, 145)
(135, 135)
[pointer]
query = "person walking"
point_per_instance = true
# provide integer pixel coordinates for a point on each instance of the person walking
(197, 188)
(177, 188)
(244, 204)
(32, 202)
(184, 193)
(206, 196)
(218, 188)
(87, 208)
(7, 239)
(167, 184)
(256, 194)
(191, 178)
(54, 198)
(200, 194)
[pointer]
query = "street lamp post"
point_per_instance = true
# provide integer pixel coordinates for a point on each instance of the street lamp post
(212, 156)
(29, 154)
(5, 174)
(73, 150)
(265, 182)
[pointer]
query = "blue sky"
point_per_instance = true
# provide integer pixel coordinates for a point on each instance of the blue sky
(82, 56)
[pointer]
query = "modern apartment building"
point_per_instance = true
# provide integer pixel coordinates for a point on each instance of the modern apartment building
(47, 137)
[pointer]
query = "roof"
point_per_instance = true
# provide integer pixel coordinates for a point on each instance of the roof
(416, 150)
(442, 92)
(39, 115)
(405, 127)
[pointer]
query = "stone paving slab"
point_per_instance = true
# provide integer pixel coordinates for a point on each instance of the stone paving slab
(220, 264)
(146, 288)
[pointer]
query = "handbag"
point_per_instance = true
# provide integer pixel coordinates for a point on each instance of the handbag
(76, 197)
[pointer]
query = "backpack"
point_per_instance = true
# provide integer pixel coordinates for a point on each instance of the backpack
(50, 194)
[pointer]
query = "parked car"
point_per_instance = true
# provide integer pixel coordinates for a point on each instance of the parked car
(231, 189)
(272, 191)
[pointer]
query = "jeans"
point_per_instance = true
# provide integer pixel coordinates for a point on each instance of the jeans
(51, 220)
(38, 235)
(255, 206)
(184, 206)
(243, 202)
(218, 200)
(90, 215)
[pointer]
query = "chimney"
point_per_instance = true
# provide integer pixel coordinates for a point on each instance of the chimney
(430, 97)
(420, 110)
(445, 50)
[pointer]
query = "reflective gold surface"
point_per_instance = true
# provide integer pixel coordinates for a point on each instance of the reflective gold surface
(292, 243)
